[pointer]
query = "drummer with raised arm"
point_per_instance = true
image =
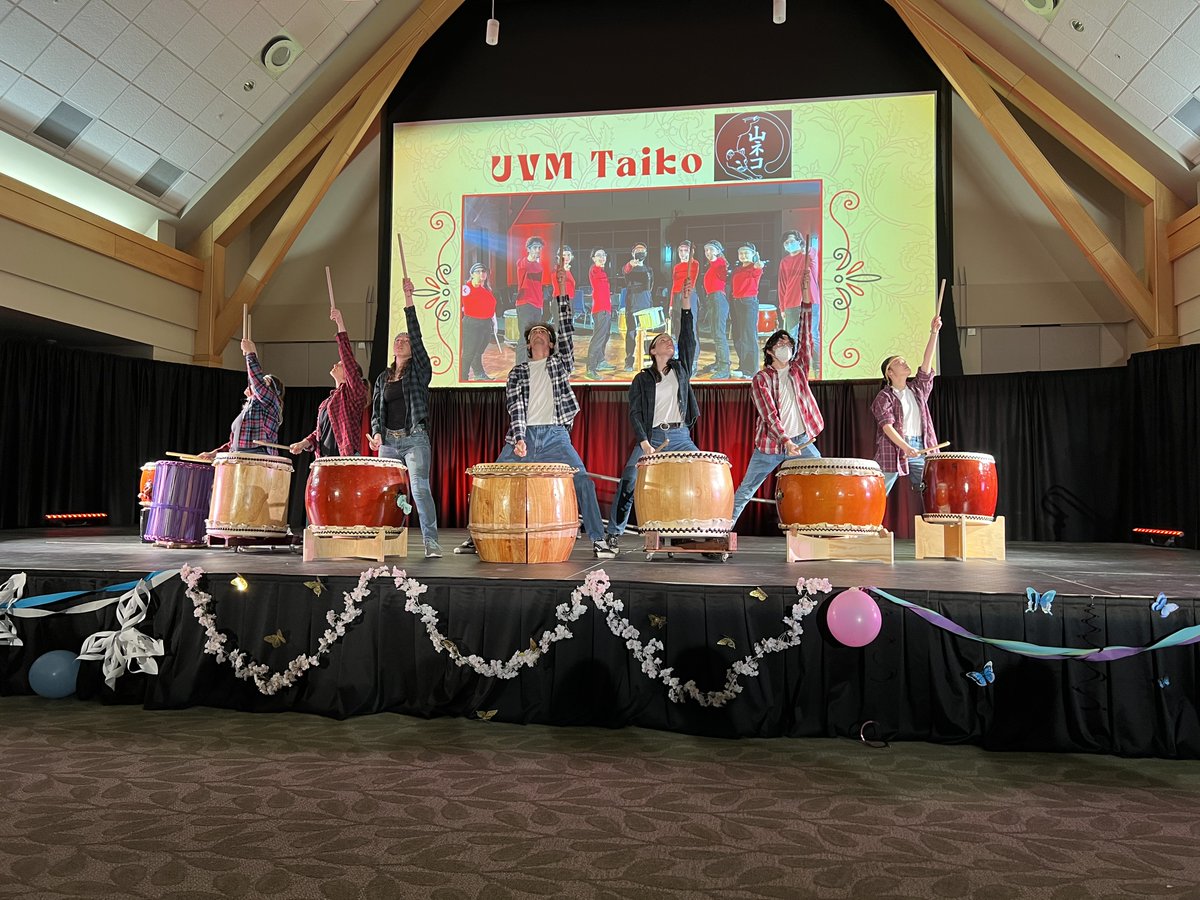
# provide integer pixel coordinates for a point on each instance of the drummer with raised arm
(339, 430)
(261, 413)
(662, 408)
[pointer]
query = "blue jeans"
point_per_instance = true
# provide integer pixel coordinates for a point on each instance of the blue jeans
(720, 308)
(745, 333)
(916, 467)
(791, 324)
(680, 438)
(601, 329)
(762, 465)
(413, 451)
(552, 444)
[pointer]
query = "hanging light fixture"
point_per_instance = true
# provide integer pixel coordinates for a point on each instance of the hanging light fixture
(492, 37)
(779, 11)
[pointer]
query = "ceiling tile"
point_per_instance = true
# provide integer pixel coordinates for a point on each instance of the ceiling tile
(1092, 29)
(1189, 31)
(353, 13)
(186, 149)
(327, 42)
(224, 59)
(131, 162)
(1065, 48)
(130, 52)
(211, 162)
(22, 39)
(97, 89)
(96, 26)
(26, 103)
(1145, 111)
(182, 191)
(282, 10)
(1179, 138)
(1167, 13)
(270, 98)
(240, 132)
(163, 75)
(236, 91)
(9, 76)
(1026, 18)
(59, 66)
(254, 31)
(54, 13)
(1104, 10)
(161, 129)
(5, 8)
(218, 116)
(162, 19)
(191, 97)
(1109, 83)
(129, 8)
(1180, 62)
(130, 110)
(97, 144)
(1160, 88)
(225, 14)
(297, 72)
(1118, 57)
(1139, 31)
(195, 40)
(307, 24)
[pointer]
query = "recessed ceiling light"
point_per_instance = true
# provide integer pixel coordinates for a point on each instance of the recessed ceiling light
(1077, 25)
(248, 86)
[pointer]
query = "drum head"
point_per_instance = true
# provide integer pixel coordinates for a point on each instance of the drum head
(254, 459)
(683, 456)
(370, 462)
(526, 470)
(830, 465)
(976, 457)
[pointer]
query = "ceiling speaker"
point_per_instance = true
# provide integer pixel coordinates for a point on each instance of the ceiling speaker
(1047, 9)
(279, 53)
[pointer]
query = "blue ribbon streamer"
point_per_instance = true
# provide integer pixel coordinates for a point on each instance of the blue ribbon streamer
(47, 599)
(1181, 638)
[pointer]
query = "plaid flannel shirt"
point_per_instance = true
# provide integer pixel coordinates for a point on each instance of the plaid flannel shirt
(887, 410)
(558, 367)
(769, 436)
(415, 380)
(262, 413)
(344, 405)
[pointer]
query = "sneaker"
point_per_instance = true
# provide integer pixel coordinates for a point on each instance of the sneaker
(433, 551)
(606, 367)
(593, 374)
(719, 375)
(467, 546)
(602, 550)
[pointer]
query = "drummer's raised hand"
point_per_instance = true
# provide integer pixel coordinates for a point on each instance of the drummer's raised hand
(248, 347)
(519, 448)
(336, 315)
(376, 442)
(408, 288)
(936, 325)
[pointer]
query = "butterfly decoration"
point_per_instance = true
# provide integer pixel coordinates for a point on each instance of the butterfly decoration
(1162, 607)
(984, 678)
(1165, 681)
(240, 583)
(1039, 601)
(449, 645)
(486, 714)
(315, 586)
(276, 640)
(759, 594)
(658, 622)
(727, 642)
(533, 645)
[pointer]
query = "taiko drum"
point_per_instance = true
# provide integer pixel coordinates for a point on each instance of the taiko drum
(684, 493)
(347, 494)
(182, 492)
(523, 512)
(828, 495)
(250, 495)
(146, 485)
(768, 319)
(960, 485)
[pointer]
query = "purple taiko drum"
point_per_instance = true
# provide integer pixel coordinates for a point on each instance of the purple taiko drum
(182, 493)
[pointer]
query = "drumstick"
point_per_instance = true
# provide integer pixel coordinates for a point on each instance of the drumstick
(403, 262)
(928, 450)
(602, 477)
(189, 457)
(245, 319)
(276, 446)
(329, 284)
(941, 291)
(249, 322)
(663, 444)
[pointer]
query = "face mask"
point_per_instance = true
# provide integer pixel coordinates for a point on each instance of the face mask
(791, 246)
(782, 353)
(639, 254)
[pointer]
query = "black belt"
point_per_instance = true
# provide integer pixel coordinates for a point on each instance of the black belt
(405, 432)
(667, 425)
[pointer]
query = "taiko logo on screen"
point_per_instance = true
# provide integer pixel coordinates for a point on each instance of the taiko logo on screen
(755, 146)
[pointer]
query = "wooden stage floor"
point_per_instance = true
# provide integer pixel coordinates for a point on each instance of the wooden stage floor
(1099, 570)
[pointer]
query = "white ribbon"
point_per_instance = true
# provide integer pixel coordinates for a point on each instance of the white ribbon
(127, 649)
(10, 593)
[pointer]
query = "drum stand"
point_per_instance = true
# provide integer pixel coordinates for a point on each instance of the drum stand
(865, 547)
(657, 542)
(959, 540)
(237, 542)
(366, 545)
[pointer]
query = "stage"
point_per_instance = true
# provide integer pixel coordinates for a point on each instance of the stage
(911, 681)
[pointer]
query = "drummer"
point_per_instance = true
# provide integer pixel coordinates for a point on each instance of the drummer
(261, 413)
(541, 408)
(400, 413)
(662, 407)
(788, 416)
(901, 409)
(340, 415)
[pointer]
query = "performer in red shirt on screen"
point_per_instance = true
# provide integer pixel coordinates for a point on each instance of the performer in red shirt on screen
(530, 276)
(716, 278)
(744, 308)
(478, 324)
(601, 314)
(797, 285)
(685, 276)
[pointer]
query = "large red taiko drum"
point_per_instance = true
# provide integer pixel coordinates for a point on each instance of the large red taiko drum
(830, 496)
(356, 494)
(960, 486)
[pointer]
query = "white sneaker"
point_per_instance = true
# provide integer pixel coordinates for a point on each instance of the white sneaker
(602, 550)
(433, 551)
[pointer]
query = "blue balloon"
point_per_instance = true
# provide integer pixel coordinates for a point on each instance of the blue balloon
(53, 674)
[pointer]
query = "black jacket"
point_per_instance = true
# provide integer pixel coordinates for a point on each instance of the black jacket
(645, 383)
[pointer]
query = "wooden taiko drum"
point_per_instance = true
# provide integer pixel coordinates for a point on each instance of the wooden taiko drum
(146, 485)
(182, 493)
(512, 327)
(356, 495)
(523, 512)
(688, 493)
(768, 319)
(830, 496)
(960, 486)
(250, 495)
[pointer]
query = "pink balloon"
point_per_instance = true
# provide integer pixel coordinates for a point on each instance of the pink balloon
(854, 618)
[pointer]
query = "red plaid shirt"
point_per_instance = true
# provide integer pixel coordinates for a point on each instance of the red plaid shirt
(769, 436)
(888, 410)
(344, 405)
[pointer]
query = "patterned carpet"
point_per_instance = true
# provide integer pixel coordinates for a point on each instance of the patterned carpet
(102, 801)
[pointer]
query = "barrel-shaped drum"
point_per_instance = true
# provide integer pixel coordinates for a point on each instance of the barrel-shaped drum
(652, 318)
(830, 496)
(146, 485)
(182, 492)
(523, 512)
(768, 319)
(960, 486)
(512, 327)
(250, 495)
(684, 493)
(356, 495)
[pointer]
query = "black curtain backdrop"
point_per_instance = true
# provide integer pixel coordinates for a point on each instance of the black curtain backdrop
(1082, 455)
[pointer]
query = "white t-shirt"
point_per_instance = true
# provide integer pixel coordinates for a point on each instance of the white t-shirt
(541, 395)
(666, 400)
(789, 406)
(912, 412)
